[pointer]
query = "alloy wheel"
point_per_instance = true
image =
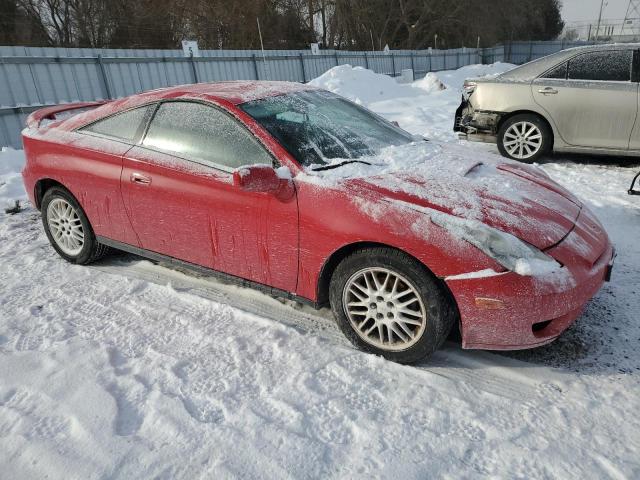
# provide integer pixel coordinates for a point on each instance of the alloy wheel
(65, 226)
(522, 140)
(384, 309)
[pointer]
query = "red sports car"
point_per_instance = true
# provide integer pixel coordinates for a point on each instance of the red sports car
(299, 192)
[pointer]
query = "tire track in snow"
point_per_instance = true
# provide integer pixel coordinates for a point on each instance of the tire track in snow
(472, 371)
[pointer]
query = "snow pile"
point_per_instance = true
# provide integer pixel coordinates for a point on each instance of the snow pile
(453, 79)
(11, 186)
(430, 83)
(361, 85)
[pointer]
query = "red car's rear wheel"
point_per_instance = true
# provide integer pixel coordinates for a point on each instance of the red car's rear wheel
(68, 228)
(389, 304)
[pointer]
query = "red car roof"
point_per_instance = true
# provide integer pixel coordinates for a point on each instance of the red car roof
(232, 92)
(235, 92)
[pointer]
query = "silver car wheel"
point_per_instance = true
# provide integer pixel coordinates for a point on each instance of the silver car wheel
(65, 226)
(384, 309)
(522, 140)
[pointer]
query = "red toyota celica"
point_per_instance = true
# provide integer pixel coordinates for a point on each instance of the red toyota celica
(303, 194)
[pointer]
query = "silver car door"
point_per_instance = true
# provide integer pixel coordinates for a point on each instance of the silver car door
(596, 104)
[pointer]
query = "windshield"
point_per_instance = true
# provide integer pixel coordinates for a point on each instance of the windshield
(318, 126)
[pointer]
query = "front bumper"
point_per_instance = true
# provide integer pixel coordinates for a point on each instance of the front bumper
(526, 312)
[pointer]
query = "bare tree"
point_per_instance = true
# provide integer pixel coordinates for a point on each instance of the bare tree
(345, 24)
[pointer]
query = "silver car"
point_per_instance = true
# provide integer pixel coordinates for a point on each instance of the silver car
(582, 100)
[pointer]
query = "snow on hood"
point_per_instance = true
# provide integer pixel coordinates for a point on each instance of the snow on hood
(514, 198)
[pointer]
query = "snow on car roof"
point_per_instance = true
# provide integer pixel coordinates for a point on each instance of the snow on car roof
(236, 92)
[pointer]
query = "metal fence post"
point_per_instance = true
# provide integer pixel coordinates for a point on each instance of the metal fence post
(366, 60)
(335, 54)
(413, 67)
(393, 64)
(304, 72)
(36, 85)
(255, 66)
(429, 57)
(193, 68)
(103, 76)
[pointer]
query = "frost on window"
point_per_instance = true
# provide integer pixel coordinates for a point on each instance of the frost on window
(318, 126)
(608, 66)
(122, 126)
(558, 72)
(203, 133)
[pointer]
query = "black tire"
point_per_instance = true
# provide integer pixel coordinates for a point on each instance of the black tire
(91, 250)
(545, 131)
(441, 314)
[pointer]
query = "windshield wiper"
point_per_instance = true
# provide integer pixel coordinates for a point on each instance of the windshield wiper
(336, 165)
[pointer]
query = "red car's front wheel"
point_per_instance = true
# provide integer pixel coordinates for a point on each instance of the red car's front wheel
(387, 303)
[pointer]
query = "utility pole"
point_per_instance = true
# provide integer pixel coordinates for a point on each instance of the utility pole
(633, 14)
(264, 59)
(599, 19)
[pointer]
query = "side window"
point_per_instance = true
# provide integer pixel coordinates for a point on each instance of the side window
(204, 133)
(557, 72)
(123, 126)
(610, 66)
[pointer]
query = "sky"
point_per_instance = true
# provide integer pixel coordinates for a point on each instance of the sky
(587, 10)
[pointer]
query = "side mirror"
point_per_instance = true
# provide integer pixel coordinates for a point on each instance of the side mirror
(632, 190)
(263, 178)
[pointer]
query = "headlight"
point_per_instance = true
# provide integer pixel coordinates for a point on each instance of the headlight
(506, 249)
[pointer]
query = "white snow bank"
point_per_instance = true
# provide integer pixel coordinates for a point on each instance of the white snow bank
(11, 186)
(361, 85)
(454, 79)
(366, 87)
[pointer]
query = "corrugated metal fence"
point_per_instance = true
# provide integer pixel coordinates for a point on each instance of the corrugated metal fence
(31, 77)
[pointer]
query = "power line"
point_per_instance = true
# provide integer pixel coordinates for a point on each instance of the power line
(632, 15)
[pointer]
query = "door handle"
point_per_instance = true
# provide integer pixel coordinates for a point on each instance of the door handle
(548, 91)
(140, 179)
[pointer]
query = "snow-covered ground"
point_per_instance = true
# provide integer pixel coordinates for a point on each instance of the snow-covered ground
(128, 369)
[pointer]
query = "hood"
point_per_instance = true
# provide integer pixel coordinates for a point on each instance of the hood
(518, 199)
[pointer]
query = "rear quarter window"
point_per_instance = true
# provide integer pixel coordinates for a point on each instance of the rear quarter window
(121, 126)
(558, 72)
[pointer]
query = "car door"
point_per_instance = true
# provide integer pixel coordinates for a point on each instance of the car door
(178, 189)
(591, 99)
